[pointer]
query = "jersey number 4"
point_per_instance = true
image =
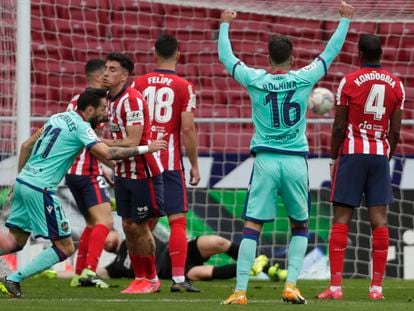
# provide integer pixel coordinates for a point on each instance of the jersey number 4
(159, 103)
(375, 101)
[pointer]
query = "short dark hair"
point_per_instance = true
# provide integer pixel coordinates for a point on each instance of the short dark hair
(370, 47)
(166, 45)
(123, 59)
(94, 65)
(90, 97)
(280, 49)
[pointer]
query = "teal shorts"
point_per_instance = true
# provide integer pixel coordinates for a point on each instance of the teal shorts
(37, 211)
(278, 174)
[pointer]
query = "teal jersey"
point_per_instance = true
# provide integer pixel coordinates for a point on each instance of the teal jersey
(64, 136)
(279, 101)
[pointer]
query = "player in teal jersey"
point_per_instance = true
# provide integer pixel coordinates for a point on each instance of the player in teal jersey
(44, 160)
(279, 102)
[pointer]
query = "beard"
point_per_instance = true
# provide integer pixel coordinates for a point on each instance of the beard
(94, 122)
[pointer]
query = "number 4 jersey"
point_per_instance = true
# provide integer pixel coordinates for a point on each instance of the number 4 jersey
(167, 95)
(64, 136)
(372, 94)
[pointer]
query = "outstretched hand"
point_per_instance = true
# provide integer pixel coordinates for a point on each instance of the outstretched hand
(346, 10)
(157, 145)
(227, 16)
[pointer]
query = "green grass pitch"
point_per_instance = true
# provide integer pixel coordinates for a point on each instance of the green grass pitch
(55, 294)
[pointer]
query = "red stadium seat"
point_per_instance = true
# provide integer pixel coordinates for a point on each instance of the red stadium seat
(186, 11)
(217, 111)
(243, 46)
(133, 32)
(209, 97)
(171, 23)
(138, 19)
(210, 70)
(195, 47)
(232, 138)
(136, 6)
(303, 28)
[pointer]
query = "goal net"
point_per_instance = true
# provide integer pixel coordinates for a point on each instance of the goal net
(65, 36)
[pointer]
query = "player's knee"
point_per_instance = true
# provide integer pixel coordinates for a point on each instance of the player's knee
(64, 248)
(222, 243)
(128, 226)
(299, 228)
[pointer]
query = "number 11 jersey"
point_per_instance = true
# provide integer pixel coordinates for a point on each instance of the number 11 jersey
(64, 136)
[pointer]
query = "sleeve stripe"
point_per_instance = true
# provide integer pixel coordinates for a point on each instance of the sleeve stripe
(234, 68)
(403, 95)
(90, 145)
(324, 65)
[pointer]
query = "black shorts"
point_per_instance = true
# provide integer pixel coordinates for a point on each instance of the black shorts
(358, 174)
(88, 191)
(139, 199)
(194, 259)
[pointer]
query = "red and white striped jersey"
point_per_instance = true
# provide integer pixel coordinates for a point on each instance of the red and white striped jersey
(371, 94)
(167, 96)
(129, 108)
(85, 164)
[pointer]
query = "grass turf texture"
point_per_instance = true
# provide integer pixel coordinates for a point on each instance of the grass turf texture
(44, 294)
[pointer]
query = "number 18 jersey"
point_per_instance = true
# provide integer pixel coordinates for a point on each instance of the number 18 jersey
(167, 95)
(371, 94)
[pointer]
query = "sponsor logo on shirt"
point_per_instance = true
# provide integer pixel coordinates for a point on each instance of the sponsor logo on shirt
(114, 127)
(65, 226)
(91, 133)
(135, 116)
(49, 208)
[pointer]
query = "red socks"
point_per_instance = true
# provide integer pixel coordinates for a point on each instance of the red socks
(144, 266)
(337, 247)
(380, 243)
(137, 265)
(178, 245)
(97, 242)
(82, 250)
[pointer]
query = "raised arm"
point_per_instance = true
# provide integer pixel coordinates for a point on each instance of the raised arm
(238, 70)
(337, 40)
(225, 51)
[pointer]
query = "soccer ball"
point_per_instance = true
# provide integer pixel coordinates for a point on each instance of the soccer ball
(321, 100)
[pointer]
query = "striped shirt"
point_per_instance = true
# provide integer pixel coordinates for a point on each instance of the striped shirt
(128, 108)
(167, 95)
(371, 94)
(85, 164)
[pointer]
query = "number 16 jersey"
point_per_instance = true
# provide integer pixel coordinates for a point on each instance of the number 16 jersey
(167, 95)
(279, 100)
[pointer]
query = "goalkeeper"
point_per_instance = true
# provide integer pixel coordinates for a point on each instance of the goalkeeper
(279, 101)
